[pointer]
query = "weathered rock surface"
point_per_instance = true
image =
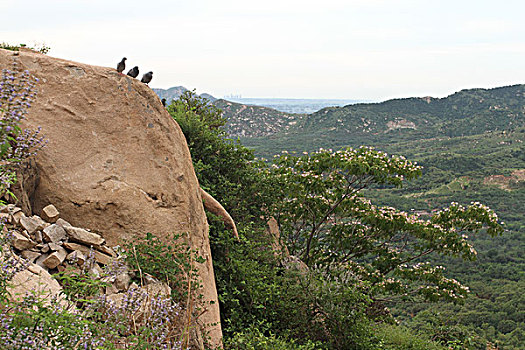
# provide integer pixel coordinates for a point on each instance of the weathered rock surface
(83, 236)
(56, 258)
(116, 162)
(30, 224)
(34, 279)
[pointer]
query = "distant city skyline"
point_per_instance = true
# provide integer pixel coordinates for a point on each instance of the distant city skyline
(335, 49)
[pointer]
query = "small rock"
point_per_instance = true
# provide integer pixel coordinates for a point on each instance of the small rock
(106, 250)
(54, 247)
(4, 209)
(25, 234)
(16, 217)
(84, 236)
(41, 223)
(77, 257)
(54, 233)
(21, 242)
(55, 259)
(4, 217)
(50, 213)
(99, 257)
(96, 270)
(38, 237)
(30, 255)
(45, 248)
(40, 261)
(63, 223)
(122, 281)
(30, 224)
(111, 289)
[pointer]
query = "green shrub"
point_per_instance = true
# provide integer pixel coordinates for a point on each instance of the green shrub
(402, 338)
(254, 339)
(170, 263)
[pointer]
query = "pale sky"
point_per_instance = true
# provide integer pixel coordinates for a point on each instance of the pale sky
(353, 49)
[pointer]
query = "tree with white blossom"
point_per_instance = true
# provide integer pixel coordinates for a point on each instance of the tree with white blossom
(328, 223)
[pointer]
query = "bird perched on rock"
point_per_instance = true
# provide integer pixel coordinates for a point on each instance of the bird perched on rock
(163, 102)
(134, 72)
(121, 65)
(146, 78)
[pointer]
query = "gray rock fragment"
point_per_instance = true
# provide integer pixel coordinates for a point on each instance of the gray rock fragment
(122, 281)
(54, 233)
(30, 224)
(99, 257)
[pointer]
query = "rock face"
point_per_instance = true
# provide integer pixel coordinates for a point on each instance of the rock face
(116, 162)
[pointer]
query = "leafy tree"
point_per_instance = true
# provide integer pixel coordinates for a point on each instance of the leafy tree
(226, 170)
(328, 221)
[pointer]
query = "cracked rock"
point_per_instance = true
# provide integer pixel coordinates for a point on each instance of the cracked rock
(30, 224)
(30, 255)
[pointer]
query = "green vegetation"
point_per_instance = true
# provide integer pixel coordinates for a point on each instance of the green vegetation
(356, 257)
(471, 148)
(171, 263)
(42, 49)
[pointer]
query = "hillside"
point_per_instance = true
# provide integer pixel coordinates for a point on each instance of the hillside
(471, 147)
(255, 121)
(468, 112)
(244, 120)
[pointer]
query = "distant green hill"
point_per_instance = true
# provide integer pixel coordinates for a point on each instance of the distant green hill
(468, 112)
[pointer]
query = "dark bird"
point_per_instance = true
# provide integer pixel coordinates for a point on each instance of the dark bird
(121, 65)
(146, 78)
(163, 102)
(134, 72)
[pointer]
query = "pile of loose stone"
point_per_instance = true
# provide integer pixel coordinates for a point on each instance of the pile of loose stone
(53, 243)
(50, 245)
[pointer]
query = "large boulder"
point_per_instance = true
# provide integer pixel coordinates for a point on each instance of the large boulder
(116, 162)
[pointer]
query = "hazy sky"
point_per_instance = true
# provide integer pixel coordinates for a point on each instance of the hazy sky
(354, 49)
